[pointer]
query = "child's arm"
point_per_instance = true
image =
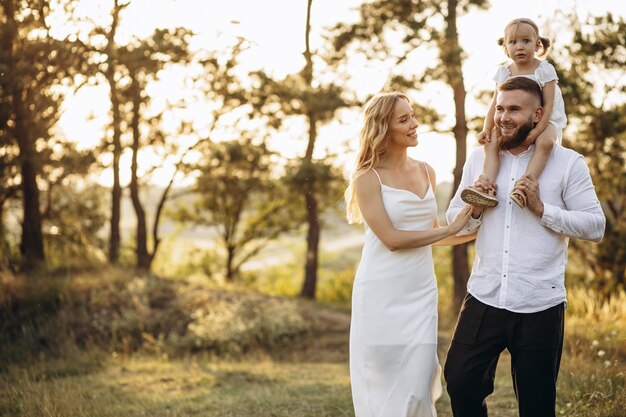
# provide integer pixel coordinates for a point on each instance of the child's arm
(485, 135)
(548, 107)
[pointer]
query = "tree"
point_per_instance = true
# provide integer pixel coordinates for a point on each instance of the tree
(425, 23)
(239, 195)
(304, 96)
(110, 71)
(36, 67)
(143, 62)
(215, 84)
(594, 91)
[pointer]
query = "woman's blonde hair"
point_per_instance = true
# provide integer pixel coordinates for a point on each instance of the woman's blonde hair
(373, 144)
(514, 24)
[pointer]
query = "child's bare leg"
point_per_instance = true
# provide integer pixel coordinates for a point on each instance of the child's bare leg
(477, 196)
(543, 148)
(491, 164)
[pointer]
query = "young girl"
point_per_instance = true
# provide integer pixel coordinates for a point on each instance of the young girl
(521, 42)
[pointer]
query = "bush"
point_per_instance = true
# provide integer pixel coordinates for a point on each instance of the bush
(231, 325)
(121, 312)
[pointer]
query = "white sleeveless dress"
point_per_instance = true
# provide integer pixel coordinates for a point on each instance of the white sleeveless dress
(394, 369)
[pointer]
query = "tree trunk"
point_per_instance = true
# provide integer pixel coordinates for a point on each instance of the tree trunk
(230, 259)
(32, 238)
(313, 234)
(313, 239)
(31, 245)
(451, 55)
(156, 240)
(141, 249)
(116, 192)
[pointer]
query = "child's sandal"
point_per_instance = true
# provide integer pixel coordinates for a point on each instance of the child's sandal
(479, 198)
(519, 197)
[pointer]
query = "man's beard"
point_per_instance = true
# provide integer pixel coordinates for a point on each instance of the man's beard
(517, 139)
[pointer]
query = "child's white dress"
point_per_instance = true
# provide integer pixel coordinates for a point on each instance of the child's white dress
(544, 73)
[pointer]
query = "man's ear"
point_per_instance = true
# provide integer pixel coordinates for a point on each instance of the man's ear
(538, 114)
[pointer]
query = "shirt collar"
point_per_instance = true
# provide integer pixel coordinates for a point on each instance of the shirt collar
(529, 151)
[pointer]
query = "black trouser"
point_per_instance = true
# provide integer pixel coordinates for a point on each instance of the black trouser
(535, 341)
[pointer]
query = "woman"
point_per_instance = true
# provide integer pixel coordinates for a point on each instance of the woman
(394, 368)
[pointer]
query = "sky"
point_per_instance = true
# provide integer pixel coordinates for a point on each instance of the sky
(276, 30)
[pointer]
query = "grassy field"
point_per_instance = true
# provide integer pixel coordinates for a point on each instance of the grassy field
(111, 343)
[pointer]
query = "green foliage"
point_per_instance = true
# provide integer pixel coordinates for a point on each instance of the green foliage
(308, 376)
(237, 193)
(233, 324)
(116, 311)
(292, 96)
(592, 382)
(9, 248)
(74, 217)
(336, 275)
(419, 22)
(336, 286)
(185, 260)
(322, 178)
(594, 101)
(278, 280)
(36, 71)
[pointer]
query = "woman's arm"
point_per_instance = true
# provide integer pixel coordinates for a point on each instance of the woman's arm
(548, 107)
(370, 203)
(453, 240)
(450, 240)
(456, 240)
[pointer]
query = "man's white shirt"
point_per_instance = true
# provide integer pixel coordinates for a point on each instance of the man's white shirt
(520, 259)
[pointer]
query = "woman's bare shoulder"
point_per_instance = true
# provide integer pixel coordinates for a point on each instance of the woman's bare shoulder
(365, 176)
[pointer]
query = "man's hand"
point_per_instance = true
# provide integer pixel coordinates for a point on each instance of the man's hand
(530, 186)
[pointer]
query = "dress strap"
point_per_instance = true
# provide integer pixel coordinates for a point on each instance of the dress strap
(427, 173)
(376, 172)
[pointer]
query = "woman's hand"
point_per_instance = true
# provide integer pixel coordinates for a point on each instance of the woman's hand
(460, 220)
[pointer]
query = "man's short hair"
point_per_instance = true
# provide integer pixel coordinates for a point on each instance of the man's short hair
(524, 84)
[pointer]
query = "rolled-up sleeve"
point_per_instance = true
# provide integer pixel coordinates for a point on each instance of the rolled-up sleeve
(582, 217)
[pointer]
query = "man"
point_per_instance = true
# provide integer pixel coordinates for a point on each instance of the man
(516, 292)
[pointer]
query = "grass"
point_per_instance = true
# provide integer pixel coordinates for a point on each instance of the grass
(305, 374)
(192, 387)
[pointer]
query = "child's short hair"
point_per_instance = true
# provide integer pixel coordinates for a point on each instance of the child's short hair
(545, 42)
(524, 84)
